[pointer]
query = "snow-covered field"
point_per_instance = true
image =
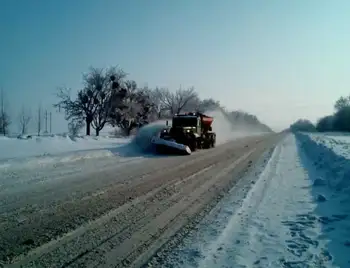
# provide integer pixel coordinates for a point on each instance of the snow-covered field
(339, 144)
(12, 148)
(292, 211)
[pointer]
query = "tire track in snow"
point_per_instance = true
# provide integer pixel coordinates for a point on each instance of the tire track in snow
(243, 226)
(277, 226)
(274, 226)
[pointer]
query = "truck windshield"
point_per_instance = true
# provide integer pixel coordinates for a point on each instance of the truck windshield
(185, 122)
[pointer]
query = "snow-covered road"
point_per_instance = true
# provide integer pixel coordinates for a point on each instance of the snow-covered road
(282, 215)
(292, 210)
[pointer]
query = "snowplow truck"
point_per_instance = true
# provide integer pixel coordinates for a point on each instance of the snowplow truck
(188, 132)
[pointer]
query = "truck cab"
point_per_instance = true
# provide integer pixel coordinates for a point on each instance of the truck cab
(191, 129)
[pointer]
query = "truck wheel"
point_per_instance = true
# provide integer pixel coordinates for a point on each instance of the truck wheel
(199, 144)
(193, 145)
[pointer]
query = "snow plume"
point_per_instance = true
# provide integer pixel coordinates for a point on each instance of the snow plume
(145, 134)
(225, 130)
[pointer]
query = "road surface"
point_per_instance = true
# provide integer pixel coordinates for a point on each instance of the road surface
(119, 216)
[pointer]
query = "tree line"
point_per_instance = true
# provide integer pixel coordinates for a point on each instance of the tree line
(338, 121)
(108, 97)
(24, 118)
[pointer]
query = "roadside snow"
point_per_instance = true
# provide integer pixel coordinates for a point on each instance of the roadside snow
(57, 149)
(339, 144)
(284, 214)
(52, 145)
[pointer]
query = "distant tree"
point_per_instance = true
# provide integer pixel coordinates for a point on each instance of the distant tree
(341, 103)
(157, 97)
(106, 98)
(75, 126)
(154, 103)
(177, 102)
(341, 119)
(102, 93)
(303, 125)
(24, 120)
(5, 120)
(208, 105)
(135, 111)
(325, 123)
(241, 117)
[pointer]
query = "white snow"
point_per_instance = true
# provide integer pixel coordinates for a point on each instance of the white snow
(45, 159)
(52, 145)
(340, 144)
(292, 211)
(57, 148)
(24, 162)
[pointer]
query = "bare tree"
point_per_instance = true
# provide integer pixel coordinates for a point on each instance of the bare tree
(94, 102)
(157, 96)
(104, 94)
(153, 102)
(24, 120)
(176, 102)
(4, 117)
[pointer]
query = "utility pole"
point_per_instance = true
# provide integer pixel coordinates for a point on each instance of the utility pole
(45, 121)
(50, 122)
(39, 120)
(3, 112)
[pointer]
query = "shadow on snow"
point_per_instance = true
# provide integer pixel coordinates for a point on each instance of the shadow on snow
(330, 178)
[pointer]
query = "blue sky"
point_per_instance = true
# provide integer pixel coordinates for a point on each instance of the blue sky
(280, 60)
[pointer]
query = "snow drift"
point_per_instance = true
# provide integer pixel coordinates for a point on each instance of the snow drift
(329, 171)
(56, 148)
(334, 164)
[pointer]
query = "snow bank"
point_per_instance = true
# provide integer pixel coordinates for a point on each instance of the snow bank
(329, 155)
(340, 144)
(329, 171)
(49, 149)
